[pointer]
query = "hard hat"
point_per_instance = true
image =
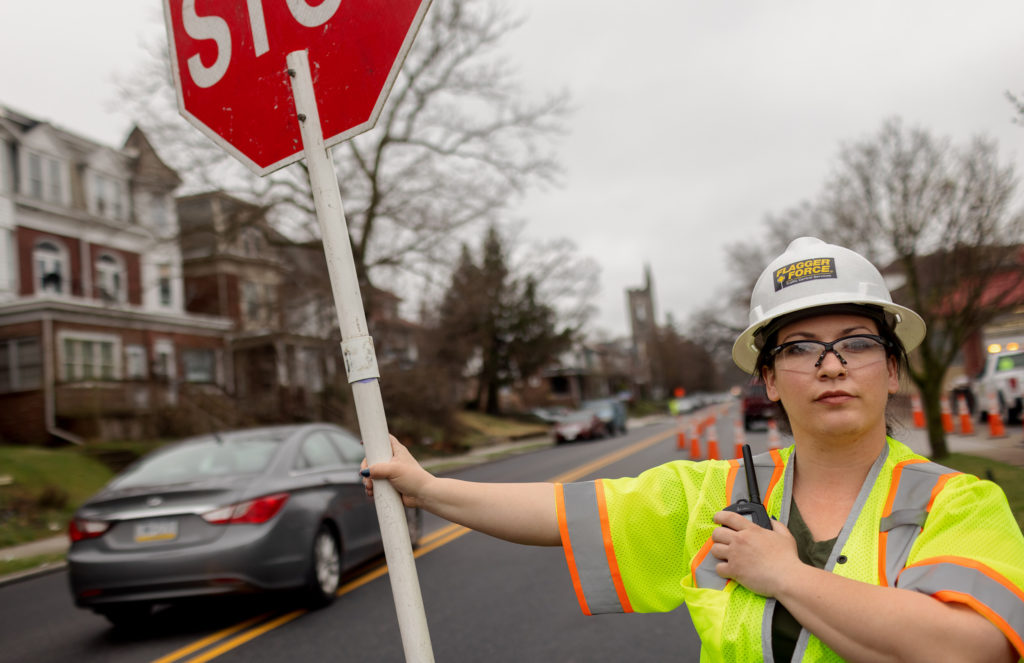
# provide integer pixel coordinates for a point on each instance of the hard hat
(810, 274)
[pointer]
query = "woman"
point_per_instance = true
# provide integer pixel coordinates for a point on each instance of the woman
(874, 553)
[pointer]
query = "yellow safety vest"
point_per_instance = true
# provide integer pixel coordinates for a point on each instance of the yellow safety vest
(642, 545)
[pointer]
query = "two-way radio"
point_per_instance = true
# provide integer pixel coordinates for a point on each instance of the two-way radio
(751, 508)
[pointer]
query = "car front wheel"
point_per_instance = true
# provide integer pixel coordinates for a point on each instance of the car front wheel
(324, 568)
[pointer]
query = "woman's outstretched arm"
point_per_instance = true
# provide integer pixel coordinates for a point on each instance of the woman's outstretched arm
(517, 512)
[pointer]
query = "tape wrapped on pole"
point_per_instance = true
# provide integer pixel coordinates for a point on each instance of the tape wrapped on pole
(412, 621)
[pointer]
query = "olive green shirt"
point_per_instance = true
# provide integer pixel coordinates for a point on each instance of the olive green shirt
(785, 628)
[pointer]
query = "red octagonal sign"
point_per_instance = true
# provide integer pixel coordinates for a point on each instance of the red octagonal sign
(229, 67)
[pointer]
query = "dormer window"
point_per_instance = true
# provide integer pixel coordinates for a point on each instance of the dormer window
(159, 212)
(35, 176)
(110, 278)
(45, 178)
(50, 262)
(107, 199)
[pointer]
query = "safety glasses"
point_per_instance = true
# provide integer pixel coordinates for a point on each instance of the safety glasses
(807, 355)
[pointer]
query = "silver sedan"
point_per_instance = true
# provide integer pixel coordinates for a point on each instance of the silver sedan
(275, 508)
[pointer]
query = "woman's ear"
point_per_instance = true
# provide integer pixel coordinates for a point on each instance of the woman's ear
(893, 365)
(768, 377)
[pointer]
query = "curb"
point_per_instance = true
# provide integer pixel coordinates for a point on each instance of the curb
(28, 574)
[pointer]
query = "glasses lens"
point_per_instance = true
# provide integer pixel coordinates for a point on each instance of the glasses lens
(860, 350)
(799, 354)
(854, 350)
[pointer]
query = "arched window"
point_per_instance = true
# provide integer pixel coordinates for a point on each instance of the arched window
(51, 267)
(110, 278)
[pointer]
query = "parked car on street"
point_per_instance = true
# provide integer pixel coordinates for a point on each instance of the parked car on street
(755, 405)
(578, 425)
(611, 411)
(274, 508)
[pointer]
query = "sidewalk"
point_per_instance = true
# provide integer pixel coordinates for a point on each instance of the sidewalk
(54, 545)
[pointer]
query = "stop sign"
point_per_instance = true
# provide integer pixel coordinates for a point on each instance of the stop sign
(229, 68)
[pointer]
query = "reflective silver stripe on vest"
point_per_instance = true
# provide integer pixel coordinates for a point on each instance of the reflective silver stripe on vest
(909, 512)
(583, 521)
(947, 576)
(764, 467)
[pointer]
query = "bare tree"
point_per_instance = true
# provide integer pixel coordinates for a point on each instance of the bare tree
(943, 217)
(457, 142)
(1018, 106)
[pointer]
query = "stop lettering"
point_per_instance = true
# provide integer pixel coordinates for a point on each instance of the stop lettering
(228, 60)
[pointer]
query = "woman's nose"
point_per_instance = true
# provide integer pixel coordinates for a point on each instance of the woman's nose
(831, 364)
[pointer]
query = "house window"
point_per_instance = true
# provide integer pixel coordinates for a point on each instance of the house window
(164, 285)
(251, 301)
(134, 362)
(89, 357)
(21, 364)
(35, 176)
(55, 192)
(110, 278)
(163, 360)
(45, 178)
(49, 259)
(158, 212)
(107, 197)
(269, 302)
(198, 365)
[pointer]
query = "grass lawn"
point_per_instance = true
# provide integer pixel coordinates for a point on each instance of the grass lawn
(487, 429)
(46, 485)
(9, 566)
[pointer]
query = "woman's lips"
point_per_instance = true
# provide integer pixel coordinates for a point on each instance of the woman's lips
(834, 397)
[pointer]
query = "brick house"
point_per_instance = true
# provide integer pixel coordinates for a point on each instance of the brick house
(94, 335)
(282, 347)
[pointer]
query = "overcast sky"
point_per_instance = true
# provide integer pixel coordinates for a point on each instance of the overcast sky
(694, 119)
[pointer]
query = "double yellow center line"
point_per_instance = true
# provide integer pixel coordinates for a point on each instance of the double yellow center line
(237, 635)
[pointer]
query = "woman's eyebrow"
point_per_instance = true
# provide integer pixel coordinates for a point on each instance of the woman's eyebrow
(806, 335)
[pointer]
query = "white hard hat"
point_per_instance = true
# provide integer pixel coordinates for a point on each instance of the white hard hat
(812, 274)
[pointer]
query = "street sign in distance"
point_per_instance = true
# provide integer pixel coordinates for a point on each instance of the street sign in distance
(228, 61)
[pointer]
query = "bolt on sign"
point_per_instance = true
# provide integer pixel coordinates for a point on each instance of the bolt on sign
(229, 67)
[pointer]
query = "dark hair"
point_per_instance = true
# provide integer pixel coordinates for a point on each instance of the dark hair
(893, 350)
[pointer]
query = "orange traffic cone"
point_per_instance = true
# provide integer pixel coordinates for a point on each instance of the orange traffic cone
(739, 437)
(917, 410)
(966, 425)
(773, 435)
(712, 442)
(681, 435)
(947, 414)
(694, 442)
(995, 422)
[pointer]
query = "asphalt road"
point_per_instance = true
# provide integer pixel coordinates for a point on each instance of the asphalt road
(485, 599)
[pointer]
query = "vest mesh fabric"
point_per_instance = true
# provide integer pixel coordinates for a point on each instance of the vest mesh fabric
(661, 520)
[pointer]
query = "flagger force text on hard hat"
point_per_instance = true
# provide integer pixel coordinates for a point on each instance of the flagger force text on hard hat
(804, 270)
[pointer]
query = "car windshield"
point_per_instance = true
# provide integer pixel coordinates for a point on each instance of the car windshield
(603, 408)
(577, 417)
(1010, 362)
(204, 459)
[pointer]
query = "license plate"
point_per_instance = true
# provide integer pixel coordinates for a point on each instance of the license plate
(156, 530)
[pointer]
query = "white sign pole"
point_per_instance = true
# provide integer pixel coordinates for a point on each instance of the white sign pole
(360, 363)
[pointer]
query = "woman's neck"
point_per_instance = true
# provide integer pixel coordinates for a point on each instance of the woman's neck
(828, 476)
